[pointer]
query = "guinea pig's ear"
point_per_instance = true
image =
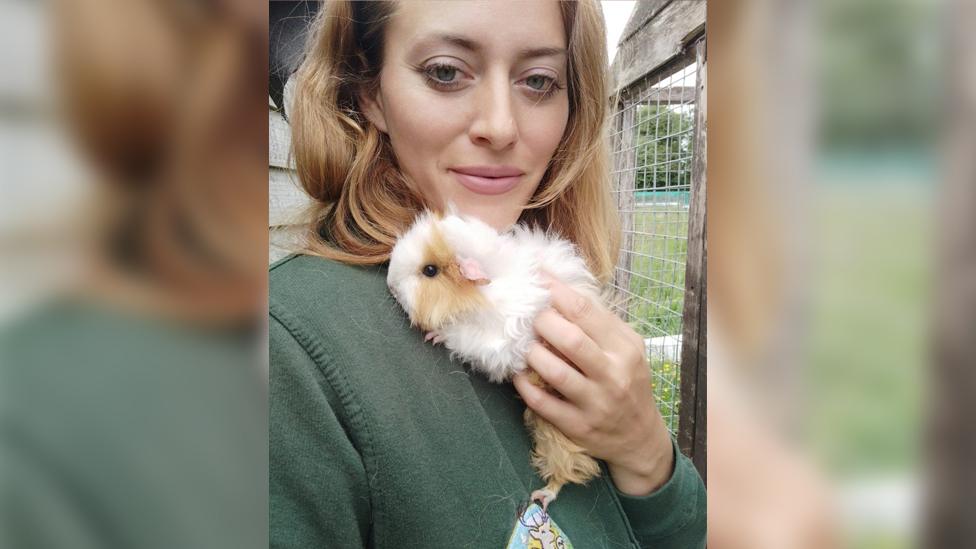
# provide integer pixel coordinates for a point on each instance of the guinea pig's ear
(471, 270)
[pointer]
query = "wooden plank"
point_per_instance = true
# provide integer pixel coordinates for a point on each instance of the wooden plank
(644, 11)
(671, 95)
(286, 199)
(284, 240)
(279, 141)
(624, 181)
(699, 449)
(699, 173)
(662, 38)
(950, 442)
(692, 427)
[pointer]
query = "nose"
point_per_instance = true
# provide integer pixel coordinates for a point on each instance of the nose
(494, 125)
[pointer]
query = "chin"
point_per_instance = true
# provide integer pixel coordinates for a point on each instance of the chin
(498, 216)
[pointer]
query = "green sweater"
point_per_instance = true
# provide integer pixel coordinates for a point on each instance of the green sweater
(378, 439)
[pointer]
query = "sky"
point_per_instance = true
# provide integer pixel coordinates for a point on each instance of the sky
(616, 13)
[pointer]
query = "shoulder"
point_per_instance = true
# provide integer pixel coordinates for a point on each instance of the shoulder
(310, 272)
(315, 285)
(337, 329)
(320, 301)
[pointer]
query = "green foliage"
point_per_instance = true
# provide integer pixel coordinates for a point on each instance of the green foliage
(666, 382)
(659, 254)
(867, 327)
(879, 74)
(659, 242)
(660, 248)
(664, 147)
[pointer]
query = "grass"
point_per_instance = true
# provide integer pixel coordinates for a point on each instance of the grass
(666, 383)
(657, 254)
(867, 336)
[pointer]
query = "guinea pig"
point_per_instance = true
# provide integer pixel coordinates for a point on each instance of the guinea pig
(478, 291)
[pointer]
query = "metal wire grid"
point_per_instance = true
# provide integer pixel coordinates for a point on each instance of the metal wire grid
(652, 152)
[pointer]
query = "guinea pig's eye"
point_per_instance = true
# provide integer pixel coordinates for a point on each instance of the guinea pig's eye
(430, 270)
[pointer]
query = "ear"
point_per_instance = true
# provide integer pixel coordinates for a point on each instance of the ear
(373, 109)
(471, 270)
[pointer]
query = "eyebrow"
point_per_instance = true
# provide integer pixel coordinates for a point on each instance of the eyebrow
(472, 46)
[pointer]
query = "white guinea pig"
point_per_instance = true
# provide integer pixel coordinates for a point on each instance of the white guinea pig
(478, 291)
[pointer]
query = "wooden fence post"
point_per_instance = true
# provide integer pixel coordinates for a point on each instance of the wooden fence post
(692, 425)
(624, 162)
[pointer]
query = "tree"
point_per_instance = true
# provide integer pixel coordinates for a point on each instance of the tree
(664, 146)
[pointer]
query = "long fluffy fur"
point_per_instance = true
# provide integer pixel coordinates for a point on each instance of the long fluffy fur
(495, 339)
(557, 459)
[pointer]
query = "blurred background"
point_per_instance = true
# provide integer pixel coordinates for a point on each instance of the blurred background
(841, 271)
(133, 378)
(841, 283)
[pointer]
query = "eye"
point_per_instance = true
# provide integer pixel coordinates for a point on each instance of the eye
(430, 271)
(444, 73)
(538, 82)
(442, 76)
(542, 86)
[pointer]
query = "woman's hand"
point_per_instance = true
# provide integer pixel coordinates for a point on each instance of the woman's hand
(608, 407)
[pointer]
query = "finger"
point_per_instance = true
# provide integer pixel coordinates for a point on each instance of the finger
(561, 376)
(592, 317)
(559, 412)
(570, 340)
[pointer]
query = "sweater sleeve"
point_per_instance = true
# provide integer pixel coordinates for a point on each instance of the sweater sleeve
(319, 495)
(674, 516)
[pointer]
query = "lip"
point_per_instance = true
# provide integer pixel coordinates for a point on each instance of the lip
(488, 180)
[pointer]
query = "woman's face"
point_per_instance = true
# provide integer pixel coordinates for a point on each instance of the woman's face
(473, 97)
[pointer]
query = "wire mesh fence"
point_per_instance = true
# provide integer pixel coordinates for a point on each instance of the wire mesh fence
(653, 146)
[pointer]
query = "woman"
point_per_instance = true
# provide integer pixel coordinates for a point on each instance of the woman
(378, 439)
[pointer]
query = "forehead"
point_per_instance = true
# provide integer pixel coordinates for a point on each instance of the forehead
(496, 27)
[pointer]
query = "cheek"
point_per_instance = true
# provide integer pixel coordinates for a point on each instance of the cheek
(421, 128)
(541, 130)
(408, 294)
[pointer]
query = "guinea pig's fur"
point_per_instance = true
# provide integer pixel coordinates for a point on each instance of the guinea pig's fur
(485, 318)
(446, 297)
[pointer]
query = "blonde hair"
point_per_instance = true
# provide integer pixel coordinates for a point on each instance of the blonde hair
(347, 165)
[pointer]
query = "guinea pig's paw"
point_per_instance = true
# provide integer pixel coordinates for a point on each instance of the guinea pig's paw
(544, 496)
(434, 336)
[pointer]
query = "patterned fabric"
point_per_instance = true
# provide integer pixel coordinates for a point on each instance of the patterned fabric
(535, 529)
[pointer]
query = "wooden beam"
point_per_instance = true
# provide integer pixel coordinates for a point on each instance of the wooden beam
(624, 176)
(672, 95)
(692, 425)
(279, 141)
(657, 41)
(644, 11)
(949, 446)
(287, 200)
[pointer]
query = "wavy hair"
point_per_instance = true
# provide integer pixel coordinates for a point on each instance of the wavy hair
(361, 199)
